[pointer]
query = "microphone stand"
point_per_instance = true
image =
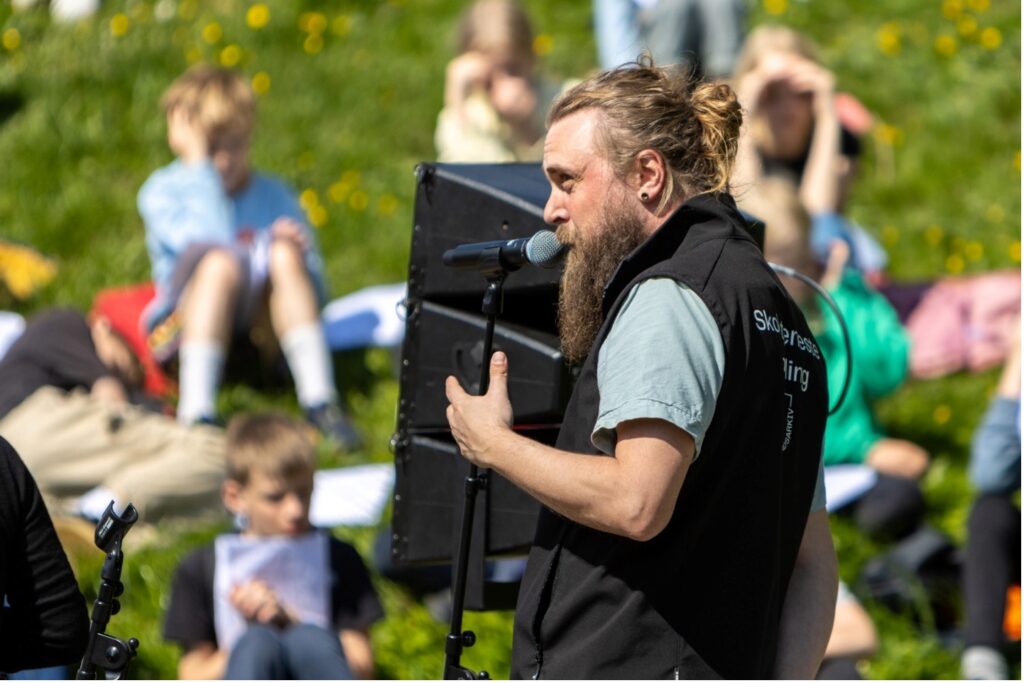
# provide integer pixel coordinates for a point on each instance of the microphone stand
(476, 481)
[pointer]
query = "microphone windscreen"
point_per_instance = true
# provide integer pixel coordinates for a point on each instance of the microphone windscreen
(544, 249)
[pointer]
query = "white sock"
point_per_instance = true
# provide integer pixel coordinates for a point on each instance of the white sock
(93, 503)
(199, 376)
(309, 359)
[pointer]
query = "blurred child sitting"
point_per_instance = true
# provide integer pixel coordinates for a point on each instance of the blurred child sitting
(879, 365)
(992, 558)
(798, 126)
(268, 487)
(65, 386)
(226, 245)
(494, 106)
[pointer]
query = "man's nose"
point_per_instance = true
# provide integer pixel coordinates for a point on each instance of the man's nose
(554, 212)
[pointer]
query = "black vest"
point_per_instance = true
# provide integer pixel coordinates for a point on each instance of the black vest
(703, 598)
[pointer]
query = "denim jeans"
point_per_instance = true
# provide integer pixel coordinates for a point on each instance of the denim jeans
(300, 652)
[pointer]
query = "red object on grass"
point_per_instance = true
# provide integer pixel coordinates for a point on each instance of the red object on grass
(123, 307)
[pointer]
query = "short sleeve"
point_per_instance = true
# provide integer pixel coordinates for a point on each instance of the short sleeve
(189, 618)
(354, 601)
(663, 359)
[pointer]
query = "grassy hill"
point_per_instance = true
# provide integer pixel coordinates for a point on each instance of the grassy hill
(349, 93)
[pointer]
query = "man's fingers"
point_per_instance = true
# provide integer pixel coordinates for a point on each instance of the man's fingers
(452, 389)
(499, 373)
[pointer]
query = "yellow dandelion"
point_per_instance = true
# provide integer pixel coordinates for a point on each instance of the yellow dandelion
(359, 200)
(193, 55)
(11, 39)
(338, 192)
(967, 26)
(1014, 251)
(974, 250)
(261, 83)
(312, 22)
(341, 26)
(888, 39)
(187, 9)
(257, 16)
(317, 216)
(890, 235)
(888, 135)
(542, 44)
(775, 7)
(119, 24)
(933, 235)
(212, 32)
(313, 43)
(955, 264)
(991, 38)
(387, 204)
(995, 213)
(941, 414)
(230, 56)
(308, 198)
(951, 9)
(945, 46)
(978, 5)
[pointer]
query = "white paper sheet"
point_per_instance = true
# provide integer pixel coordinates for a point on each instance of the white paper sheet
(351, 496)
(846, 483)
(296, 569)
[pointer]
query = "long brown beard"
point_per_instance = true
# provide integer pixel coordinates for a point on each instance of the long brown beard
(588, 267)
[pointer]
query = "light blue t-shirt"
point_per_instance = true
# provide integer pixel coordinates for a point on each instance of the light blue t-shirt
(664, 359)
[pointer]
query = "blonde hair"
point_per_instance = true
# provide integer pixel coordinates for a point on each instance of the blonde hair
(693, 125)
(776, 201)
(497, 27)
(773, 38)
(274, 444)
(221, 100)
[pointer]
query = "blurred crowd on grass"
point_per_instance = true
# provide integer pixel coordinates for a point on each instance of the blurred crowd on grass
(238, 284)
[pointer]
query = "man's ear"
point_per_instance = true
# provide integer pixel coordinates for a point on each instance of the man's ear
(231, 494)
(650, 174)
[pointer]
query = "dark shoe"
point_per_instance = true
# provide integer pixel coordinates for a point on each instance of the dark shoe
(333, 424)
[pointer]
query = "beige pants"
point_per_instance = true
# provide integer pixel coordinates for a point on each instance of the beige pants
(71, 443)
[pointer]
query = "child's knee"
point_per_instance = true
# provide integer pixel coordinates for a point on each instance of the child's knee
(218, 268)
(286, 260)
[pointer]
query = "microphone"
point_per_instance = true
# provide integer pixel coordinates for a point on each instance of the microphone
(504, 256)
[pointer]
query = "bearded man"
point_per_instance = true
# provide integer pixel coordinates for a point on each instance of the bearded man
(683, 533)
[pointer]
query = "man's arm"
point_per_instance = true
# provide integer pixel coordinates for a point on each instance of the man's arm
(810, 603)
(203, 662)
(632, 494)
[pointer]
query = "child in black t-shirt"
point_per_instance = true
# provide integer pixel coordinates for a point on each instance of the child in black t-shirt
(269, 485)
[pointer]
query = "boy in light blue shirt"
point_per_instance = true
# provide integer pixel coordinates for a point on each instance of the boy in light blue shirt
(226, 242)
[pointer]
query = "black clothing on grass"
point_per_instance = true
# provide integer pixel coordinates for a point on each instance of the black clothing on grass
(704, 597)
(56, 349)
(43, 618)
(190, 620)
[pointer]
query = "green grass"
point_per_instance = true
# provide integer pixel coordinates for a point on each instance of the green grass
(80, 129)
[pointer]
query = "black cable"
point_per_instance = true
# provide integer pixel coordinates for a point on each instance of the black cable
(786, 270)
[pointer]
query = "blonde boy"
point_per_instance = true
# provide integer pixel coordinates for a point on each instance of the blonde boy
(269, 485)
(226, 243)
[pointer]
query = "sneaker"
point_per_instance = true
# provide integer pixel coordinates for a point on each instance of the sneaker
(333, 424)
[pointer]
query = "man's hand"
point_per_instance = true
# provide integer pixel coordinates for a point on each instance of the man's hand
(477, 422)
(257, 602)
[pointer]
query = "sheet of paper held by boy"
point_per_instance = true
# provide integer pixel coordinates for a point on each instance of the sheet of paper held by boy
(278, 562)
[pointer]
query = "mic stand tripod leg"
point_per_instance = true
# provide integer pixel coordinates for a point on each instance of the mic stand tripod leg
(476, 481)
